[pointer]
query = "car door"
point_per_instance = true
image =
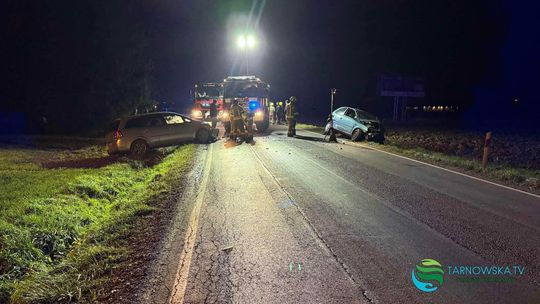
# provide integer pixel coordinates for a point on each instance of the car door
(337, 118)
(177, 129)
(155, 130)
(348, 121)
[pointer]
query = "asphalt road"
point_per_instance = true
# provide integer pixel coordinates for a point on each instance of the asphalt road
(298, 220)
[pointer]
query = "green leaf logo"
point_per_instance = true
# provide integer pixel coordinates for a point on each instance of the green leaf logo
(428, 276)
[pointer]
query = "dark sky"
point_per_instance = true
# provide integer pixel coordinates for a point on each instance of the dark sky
(483, 51)
(308, 47)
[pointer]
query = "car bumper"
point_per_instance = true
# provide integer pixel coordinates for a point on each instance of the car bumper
(375, 136)
(118, 146)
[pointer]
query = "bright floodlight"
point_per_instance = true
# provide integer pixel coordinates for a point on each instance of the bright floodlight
(241, 42)
(250, 42)
(244, 42)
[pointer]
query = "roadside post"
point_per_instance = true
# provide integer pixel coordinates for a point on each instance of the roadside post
(487, 150)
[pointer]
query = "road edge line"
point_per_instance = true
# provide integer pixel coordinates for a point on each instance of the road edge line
(181, 278)
(434, 166)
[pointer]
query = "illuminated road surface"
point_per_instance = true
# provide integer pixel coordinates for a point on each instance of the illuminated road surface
(303, 221)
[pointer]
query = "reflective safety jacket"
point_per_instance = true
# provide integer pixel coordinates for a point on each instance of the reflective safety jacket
(291, 110)
(237, 112)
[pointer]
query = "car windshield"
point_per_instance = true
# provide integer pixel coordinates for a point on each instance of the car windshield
(207, 92)
(242, 89)
(365, 115)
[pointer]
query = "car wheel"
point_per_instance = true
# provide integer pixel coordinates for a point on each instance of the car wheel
(357, 135)
(139, 148)
(262, 126)
(203, 136)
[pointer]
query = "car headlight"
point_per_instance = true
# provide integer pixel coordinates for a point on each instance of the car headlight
(259, 113)
(225, 114)
(196, 113)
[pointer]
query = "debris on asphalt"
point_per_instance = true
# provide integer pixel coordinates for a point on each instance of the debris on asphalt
(227, 249)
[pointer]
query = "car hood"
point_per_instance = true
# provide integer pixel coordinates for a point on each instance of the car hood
(369, 121)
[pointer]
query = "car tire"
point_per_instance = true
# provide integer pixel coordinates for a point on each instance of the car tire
(262, 126)
(203, 136)
(357, 135)
(138, 149)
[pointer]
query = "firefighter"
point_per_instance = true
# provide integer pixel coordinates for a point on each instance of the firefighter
(291, 116)
(248, 137)
(247, 123)
(272, 113)
(214, 113)
(237, 119)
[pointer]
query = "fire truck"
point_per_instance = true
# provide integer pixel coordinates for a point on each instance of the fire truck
(203, 95)
(252, 95)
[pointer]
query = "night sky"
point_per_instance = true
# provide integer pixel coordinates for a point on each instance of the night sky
(471, 53)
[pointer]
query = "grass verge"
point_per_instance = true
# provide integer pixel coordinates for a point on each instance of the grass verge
(521, 177)
(312, 128)
(63, 230)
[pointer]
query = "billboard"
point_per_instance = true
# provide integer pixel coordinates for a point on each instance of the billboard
(401, 86)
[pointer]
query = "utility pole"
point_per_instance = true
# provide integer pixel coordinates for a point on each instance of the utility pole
(332, 93)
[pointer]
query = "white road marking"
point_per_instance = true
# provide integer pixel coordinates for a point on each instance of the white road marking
(181, 279)
(435, 166)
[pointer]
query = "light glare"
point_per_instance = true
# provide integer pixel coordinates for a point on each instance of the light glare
(241, 42)
(250, 42)
(244, 42)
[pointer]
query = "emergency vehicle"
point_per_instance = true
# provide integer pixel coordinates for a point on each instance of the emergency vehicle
(203, 96)
(252, 95)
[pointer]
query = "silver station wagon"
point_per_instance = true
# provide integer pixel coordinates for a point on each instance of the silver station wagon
(140, 133)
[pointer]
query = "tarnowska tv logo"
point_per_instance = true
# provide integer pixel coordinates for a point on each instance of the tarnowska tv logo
(428, 275)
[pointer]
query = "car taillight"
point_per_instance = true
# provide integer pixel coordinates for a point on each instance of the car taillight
(118, 134)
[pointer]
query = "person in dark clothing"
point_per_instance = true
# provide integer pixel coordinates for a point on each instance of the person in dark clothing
(279, 112)
(214, 113)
